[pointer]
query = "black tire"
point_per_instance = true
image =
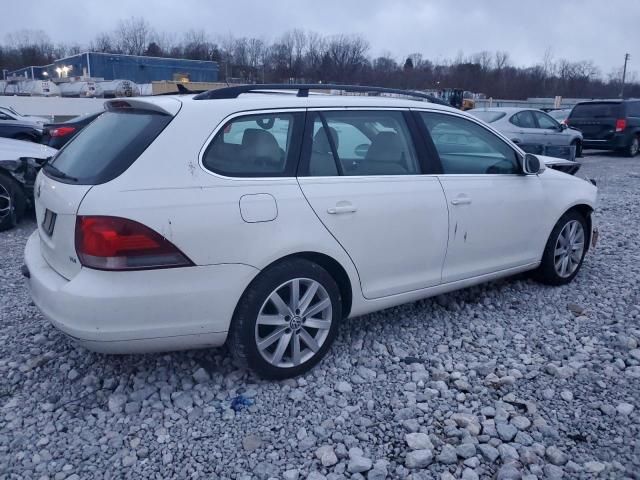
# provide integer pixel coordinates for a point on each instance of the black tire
(578, 145)
(242, 341)
(12, 202)
(547, 273)
(632, 149)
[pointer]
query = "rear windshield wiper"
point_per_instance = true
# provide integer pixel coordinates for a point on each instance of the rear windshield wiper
(49, 168)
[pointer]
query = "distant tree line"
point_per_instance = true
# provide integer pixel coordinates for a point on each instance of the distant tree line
(299, 55)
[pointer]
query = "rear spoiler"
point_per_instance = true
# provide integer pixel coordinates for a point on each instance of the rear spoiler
(165, 105)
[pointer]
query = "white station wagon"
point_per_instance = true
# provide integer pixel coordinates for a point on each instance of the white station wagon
(262, 217)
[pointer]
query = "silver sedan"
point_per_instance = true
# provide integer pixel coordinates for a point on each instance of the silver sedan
(528, 126)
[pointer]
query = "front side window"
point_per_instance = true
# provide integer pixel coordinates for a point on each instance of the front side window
(545, 121)
(361, 143)
(464, 147)
(256, 145)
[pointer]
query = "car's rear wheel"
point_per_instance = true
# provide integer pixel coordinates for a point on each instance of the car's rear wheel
(12, 203)
(633, 148)
(564, 253)
(286, 320)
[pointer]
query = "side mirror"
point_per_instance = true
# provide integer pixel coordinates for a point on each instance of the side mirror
(531, 164)
(563, 127)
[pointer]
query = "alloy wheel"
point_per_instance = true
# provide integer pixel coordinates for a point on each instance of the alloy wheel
(293, 322)
(569, 249)
(635, 146)
(6, 203)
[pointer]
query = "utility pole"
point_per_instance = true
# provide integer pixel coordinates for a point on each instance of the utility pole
(624, 73)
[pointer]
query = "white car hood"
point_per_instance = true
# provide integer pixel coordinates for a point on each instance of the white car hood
(13, 149)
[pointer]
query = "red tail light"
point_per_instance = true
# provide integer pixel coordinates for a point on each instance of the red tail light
(62, 131)
(621, 124)
(113, 243)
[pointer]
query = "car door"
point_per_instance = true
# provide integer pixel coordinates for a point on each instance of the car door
(554, 135)
(362, 174)
(528, 129)
(494, 210)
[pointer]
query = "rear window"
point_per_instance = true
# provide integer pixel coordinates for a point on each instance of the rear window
(107, 146)
(487, 116)
(596, 110)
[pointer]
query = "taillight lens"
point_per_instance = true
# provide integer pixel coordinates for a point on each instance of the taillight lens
(113, 243)
(621, 124)
(62, 131)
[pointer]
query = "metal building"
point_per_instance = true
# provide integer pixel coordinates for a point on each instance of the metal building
(109, 66)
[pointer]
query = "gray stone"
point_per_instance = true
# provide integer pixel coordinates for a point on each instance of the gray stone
(447, 455)
(344, 387)
(419, 458)
(555, 456)
(625, 408)
(466, 450)
(506, 432)
(489, 452)
(201, 376)
(418, 441)
(520, 422)
(251, 442)
(553, 472)
(594, 467)
(292, 474)
(509, 471)
(326, 455)
(117, 402)
(469, 474)
(359, 464)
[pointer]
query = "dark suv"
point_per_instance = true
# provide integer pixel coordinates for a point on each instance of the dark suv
(608, 124)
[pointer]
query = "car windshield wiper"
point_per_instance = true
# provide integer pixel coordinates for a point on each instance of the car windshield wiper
(49, 168)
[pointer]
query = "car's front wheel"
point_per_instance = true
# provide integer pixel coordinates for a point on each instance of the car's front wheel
(286, 320)
(565, 249)
(12, 203)
(578, 145)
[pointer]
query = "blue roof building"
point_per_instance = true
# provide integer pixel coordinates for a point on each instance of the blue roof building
(111, 66)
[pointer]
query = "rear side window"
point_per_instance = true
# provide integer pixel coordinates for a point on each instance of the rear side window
(107, 147)
(633, 109)
(487, 116)
(524, 119)
(355, 143)
(257, 145)
(597, 110)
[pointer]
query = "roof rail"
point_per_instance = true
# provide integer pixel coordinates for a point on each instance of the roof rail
(303, 90)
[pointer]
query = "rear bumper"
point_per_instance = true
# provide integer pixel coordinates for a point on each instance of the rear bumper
(618, 141)
(142, 311)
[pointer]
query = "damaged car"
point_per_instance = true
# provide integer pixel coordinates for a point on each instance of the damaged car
(20, 162)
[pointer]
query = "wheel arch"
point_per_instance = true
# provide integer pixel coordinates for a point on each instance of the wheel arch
(333, 267)
(586, 211)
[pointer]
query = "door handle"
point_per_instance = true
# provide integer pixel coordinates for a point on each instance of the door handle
(461, 201)
(338, 209)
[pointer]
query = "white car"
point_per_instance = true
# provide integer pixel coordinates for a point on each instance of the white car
(263, 219)
(20, 162)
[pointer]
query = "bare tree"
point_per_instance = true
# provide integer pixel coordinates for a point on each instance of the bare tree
(133, 35)
(501, 60)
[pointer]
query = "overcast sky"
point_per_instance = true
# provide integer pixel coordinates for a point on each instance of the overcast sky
(597, 30)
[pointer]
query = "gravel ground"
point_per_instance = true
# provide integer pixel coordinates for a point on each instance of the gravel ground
(506, 380)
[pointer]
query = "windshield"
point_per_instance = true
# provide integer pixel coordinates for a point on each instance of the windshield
(596, 109)
(107, 146)
(487, 115)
